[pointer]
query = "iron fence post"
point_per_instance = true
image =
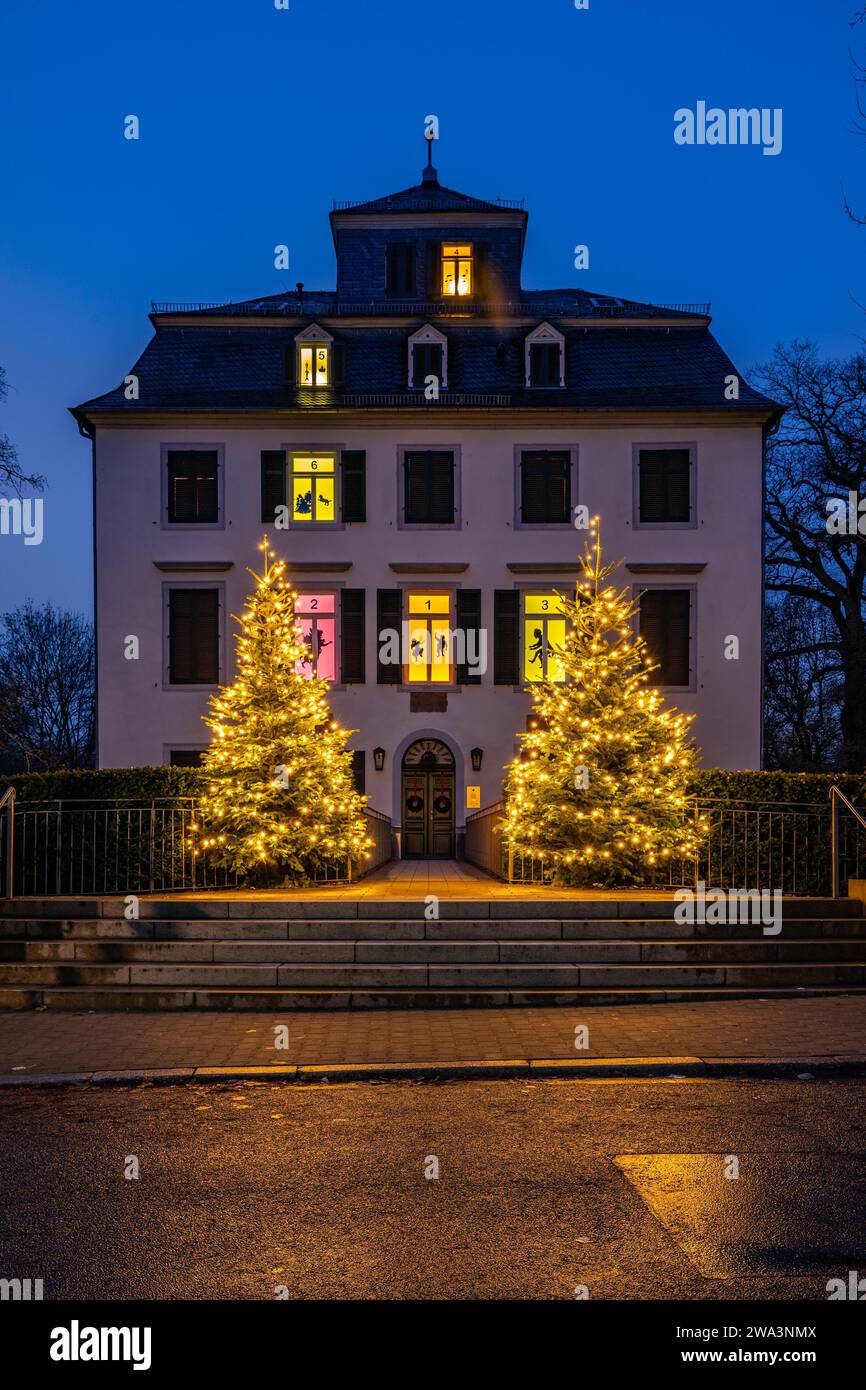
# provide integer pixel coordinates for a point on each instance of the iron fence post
(834, 842)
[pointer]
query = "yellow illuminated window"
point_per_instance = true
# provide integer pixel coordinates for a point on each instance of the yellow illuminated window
(429, 659)
(314, 365)
(456, 269)
(544, 628)
(313, 488)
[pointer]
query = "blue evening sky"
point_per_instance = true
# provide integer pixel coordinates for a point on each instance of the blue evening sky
(253, 119)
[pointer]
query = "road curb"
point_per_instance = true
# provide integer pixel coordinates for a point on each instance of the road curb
(571, 1068)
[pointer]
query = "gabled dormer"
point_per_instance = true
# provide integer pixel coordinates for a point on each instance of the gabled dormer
(428, 245)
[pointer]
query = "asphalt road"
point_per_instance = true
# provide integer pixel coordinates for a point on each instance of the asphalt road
(623, 1187)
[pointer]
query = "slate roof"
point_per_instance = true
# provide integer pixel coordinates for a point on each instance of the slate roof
(196, 368)
(429, 196)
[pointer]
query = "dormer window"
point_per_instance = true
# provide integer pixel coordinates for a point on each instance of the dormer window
(314, 358)
(457, 270)
(428, 357)
(545, 357)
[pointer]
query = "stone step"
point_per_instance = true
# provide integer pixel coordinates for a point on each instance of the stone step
(390, 909)
(488, 975)
(152, 999)
(423, 952)
(451, 929)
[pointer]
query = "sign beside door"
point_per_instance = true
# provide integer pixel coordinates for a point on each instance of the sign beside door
(473, 798)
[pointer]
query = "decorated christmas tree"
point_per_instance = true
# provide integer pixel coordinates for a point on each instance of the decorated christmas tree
(599, 788)
(279, 794)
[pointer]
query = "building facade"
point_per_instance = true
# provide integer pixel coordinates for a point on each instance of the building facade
(423, 446)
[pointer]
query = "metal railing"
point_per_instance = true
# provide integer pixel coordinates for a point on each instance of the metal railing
(800, 848)
(418, 399)
(293, 306)
(7, 843)
(83, 848)
(838, 799)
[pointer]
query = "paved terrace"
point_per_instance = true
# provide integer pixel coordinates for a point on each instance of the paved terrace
(415, 879)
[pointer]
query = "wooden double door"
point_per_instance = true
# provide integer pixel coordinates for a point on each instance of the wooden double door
(428, 801)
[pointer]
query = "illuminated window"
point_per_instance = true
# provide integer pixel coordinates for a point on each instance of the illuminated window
(456, 269)
(544, 628)
(317, 620)
(430, 659)
(314, 364)
(313, 488)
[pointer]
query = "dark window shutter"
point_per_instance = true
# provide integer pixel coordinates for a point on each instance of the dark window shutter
(545, 486)
(338, 357)
(468, 611)
(389, 617)
(434, 270)
(290, 364)
(665, 626)
(428, 498)
(400, 268)
(273, 463)
(426, 361)
(352, 636)
(353, 463)
(185, 757)
(482, 270)
(664, 481)
(544, 364)
(359, 770)
(506, 651)
(193, 636)
(193, 486)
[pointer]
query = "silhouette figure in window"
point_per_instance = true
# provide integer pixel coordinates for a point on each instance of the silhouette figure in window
(441, 645)
(536, 648)
(304, 503)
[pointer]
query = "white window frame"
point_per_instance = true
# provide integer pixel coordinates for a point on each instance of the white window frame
(427, 334)
(544, 333)
(314, 337)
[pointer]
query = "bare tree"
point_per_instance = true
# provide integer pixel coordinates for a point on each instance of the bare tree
(818, 455)
(12, 475)
(47, 689)
(802, 687)
(859, 72)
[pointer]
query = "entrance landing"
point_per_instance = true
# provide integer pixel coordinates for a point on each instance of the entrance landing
(414, 879)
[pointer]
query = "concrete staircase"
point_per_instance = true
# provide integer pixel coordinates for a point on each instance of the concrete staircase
(358, 953)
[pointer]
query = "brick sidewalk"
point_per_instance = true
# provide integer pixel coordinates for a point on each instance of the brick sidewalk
(79, 1042)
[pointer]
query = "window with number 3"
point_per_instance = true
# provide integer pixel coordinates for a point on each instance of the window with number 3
(544, 627)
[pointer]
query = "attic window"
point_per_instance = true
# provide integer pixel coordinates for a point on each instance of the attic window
(457, 275)
(545, 357)
(428, 359)
(314, 366)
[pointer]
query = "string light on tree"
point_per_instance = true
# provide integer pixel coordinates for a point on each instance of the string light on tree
(600, 786)
(280, 791)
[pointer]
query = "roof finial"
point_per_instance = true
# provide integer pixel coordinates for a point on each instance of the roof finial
(431, 133)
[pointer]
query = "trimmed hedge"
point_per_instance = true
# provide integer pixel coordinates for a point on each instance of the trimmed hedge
(149, 783)
(800, 787)
(108, 784)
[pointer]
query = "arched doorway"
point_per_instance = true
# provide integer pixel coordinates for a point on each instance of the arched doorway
(428, 800)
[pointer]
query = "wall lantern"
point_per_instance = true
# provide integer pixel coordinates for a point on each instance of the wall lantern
(378, 758)
(476, 755)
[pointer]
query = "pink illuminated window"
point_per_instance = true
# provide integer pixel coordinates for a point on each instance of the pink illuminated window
(317, 621)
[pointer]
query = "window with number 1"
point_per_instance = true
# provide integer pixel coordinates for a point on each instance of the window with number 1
(430, 660)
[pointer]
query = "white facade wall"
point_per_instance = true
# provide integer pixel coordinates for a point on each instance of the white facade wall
(140, 720)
